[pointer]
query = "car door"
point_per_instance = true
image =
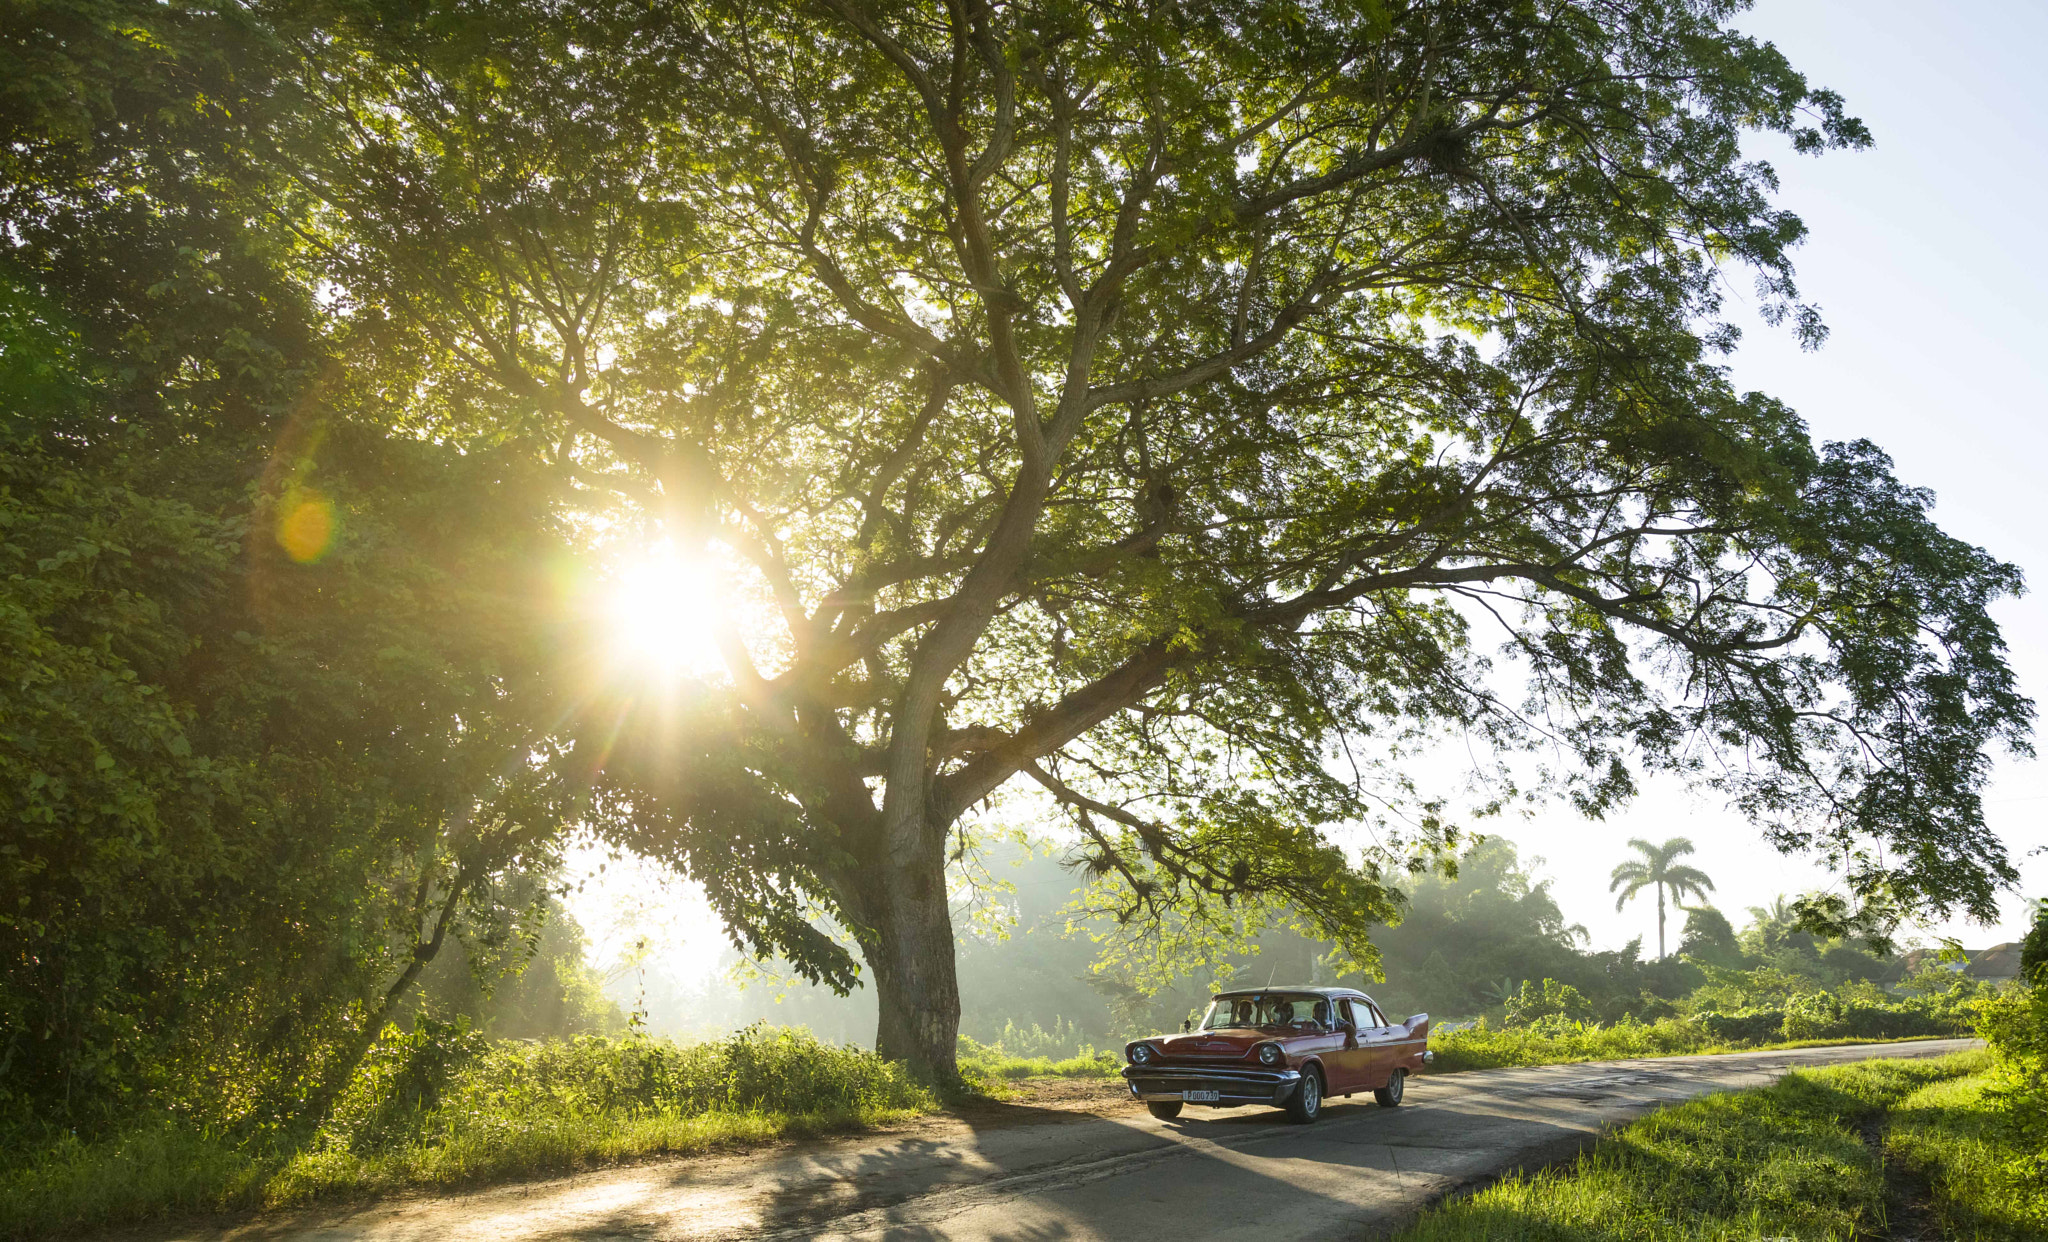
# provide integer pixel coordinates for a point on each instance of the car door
(1313, 1033)
(1350, 1062)
(1378, 1039)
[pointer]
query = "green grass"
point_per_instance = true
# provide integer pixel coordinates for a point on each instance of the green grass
(419, 1117)
(1785, 1161)
(993, 1063)
(1499, 1048)
(1954, 1136)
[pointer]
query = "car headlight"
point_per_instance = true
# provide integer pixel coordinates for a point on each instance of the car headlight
(1269, 1054)
(1141, 1054)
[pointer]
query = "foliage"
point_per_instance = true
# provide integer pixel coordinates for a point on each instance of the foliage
(1658, 868)
(2015, 1023)
(1534, 1004)
(1709, 939)
(1815, 1015)
(1783, 1161)
(1131, 407)
(1140, 429)
(1484, 1046)
(438, 1107)
(1555, 1039)
(2034, 949)
(270, 672)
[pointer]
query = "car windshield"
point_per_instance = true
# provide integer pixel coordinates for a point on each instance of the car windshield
(1265, 1009)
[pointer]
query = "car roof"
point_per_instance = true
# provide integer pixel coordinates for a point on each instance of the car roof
(1311, 989)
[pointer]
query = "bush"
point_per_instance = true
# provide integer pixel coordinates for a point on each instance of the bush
(1753, 1026)
(2015, 1024)
(1553, 1000)
(1816, 1015)
(438, 1106)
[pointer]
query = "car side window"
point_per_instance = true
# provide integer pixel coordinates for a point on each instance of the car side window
(1344, 1012)
(1378, 1018)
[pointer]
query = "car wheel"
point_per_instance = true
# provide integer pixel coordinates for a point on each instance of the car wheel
(1307, 1104)
(1389, 1096)
(1165, 1110)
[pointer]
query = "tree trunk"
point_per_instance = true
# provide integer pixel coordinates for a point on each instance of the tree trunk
(313, 1109)
(910, 949)
(1660, 922)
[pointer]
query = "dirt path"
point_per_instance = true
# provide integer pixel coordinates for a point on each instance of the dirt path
(1077, 1160)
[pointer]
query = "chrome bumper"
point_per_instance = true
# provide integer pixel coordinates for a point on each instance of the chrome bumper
(1233, 1086)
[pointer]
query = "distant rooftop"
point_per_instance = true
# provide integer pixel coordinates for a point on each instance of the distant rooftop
(1995, 964)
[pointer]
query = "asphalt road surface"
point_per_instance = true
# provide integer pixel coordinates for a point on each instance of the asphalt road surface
(1108, 1171)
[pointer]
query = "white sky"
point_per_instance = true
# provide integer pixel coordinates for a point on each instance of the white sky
(1929, 262)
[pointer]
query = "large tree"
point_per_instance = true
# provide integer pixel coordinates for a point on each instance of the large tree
(1149, 406)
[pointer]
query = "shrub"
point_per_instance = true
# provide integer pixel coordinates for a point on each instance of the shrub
(1752, 1026)
(2015, 1023)
(1816, 1015)
(1552, 1000)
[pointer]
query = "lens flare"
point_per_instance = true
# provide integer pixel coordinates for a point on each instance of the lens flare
(305, 526)
(664, 612)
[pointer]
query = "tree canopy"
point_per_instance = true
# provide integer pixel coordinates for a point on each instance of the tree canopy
(1174, 414)
(272, 681)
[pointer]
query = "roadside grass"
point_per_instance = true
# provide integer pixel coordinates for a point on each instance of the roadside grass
(1953, 1135)
(1485, 1047)
(435, 1117)
(1784, 1161)
(992, 1063)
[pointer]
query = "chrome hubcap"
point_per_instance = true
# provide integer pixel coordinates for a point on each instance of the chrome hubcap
(1400, 1081)
(1312, 1095)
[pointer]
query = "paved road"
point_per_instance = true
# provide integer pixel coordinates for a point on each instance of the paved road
(1043, 1175)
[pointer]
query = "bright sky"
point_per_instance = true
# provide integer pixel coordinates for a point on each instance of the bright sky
(1928, 262)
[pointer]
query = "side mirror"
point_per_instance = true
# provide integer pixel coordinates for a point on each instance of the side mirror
(1186, 1025)
(1350, 1030)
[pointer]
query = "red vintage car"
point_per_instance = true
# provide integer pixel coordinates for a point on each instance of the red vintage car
(1290, 1047)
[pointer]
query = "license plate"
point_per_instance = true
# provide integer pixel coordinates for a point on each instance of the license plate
(1201, 1097)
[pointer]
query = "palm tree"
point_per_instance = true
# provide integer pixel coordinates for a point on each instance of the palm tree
(1655, 867)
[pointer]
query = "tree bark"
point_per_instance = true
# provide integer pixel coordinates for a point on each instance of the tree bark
(909, 946)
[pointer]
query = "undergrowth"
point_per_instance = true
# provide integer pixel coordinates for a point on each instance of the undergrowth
(434, 1109)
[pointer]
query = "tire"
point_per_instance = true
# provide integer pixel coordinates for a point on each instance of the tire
(1307, 1102)
(1165, 1110)
(1389, 1096)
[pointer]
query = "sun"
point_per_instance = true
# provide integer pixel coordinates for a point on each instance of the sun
(663, 610)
